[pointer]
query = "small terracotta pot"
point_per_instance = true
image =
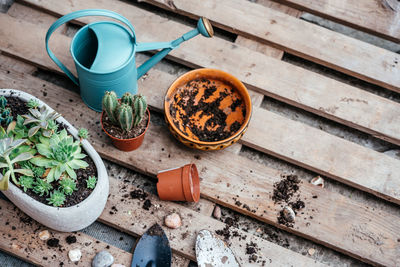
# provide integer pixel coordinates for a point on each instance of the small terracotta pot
(127, 144)
(180, 184)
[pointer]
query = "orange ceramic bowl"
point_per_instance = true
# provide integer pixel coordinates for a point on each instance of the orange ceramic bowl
(207, 109)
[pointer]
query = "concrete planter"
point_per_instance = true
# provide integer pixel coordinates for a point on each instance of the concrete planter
(63, 219)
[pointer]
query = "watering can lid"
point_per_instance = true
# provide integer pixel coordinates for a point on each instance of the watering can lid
(115, 46)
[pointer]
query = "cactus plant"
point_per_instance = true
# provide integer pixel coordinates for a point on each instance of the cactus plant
(5, 113)
(139, 106)
(127, 113)
(110, 103)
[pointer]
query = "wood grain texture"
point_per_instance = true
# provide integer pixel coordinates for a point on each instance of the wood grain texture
(274, 78)
(371, 16)
(367, 234)
(310, 41)
(381, 181)
(19, 237)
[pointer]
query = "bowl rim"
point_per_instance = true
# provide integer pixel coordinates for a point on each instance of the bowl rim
(218, 73)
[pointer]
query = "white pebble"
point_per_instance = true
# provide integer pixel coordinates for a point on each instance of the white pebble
(289, 214)
(217, 212)
(311, 251)
(117, 265)
(44, 235)
(75, 255)
(173, 221)
(318, 181)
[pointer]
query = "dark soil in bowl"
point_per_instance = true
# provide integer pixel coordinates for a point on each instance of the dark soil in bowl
(18, 107)
(207, 110)
(117, 132)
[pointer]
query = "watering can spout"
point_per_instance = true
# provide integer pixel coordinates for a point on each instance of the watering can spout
(203, 27)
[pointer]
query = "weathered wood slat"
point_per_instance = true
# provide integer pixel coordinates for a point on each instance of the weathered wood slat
(368, 15)
(312, 42)
(381, 180)
(20, 239)
(240, 176)
(285, 82)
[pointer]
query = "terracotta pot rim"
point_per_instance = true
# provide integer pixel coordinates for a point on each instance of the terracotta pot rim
(243, 91)
(186, 177)
(130, 139)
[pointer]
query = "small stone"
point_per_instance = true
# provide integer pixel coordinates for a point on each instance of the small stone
(217, 212)
(289, 214)
(75, 255)
(103, 259)
(44, 235)
(311, 251)
(173, 221)
(15, 247)
(117, 265)
(318, 181)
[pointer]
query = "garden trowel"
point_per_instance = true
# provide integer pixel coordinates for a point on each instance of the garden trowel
(213, 252)
(152, 249)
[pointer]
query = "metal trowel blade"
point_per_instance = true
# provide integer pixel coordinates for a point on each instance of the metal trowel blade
(213, 252)
(153, 249)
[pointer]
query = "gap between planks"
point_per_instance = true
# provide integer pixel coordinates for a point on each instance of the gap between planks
(284, 138)
(241, 176)
(283, 81)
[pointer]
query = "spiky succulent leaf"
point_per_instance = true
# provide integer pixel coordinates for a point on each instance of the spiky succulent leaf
(91, 182)
(125, 117)
(3, 102)
(32, 103)
(67, 186)
(42, 187)
(26, 182)
(139, 109)
(83, 133)
(57, 198)
(41, 119)
(4, 180)
(110, 104)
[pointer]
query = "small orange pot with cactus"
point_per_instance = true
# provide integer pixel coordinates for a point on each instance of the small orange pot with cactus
(125, 120)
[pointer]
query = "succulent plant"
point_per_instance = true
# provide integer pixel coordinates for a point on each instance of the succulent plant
(110, 103)
(38, 172)
(3, 102)
(139, 106)
(57, 198)
(67, 186)
(7, 161)
(41, 118)
(127, 98)
(5, 113)
(125, 117)
(26, 182)
(60, 154)
(20, 130)
(83, 133)
(32, 103)
(91, 182)
(42, 187)
(126, 114)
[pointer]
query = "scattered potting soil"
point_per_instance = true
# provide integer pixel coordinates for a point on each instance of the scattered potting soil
(71, 239)
(207, 109)
(146, 204)
(138, 194)
(117, 132)
(53, 242)
(284, 189)
(251, 250)
(155, 230)
(18, 107)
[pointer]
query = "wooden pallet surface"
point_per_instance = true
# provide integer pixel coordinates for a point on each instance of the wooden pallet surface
(240, 177)
(329, 155)
(292, 35)
(371, 16)
(288, 83)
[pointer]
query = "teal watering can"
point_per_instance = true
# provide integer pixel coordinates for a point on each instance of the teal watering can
(104, 54)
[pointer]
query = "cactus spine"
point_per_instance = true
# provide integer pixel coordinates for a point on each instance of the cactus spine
(139, 107)
(3, 102)
(127, 98)
(125, 117)
(110, 104)
(5, 113)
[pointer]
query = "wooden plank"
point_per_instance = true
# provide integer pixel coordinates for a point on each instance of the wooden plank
(298, 37)
(368, 15)
(19, 237)
(274, 78)
(367, 234)
(133, 219)
(380, 181)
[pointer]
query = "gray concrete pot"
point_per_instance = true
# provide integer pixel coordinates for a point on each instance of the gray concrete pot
(63, 219)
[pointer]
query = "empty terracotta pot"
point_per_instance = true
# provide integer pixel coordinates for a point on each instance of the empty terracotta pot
(127, 144)
(179, 184)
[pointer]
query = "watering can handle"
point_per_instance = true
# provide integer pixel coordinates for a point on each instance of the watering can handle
(79, 14)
